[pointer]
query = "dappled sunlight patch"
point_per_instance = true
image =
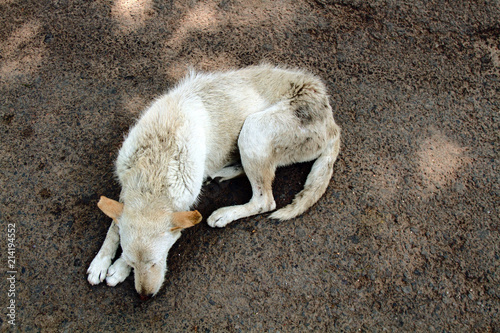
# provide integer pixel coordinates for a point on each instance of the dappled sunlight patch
(201, 18)
(439, 161)
(238, 16)
(131, 14)
(22, 53)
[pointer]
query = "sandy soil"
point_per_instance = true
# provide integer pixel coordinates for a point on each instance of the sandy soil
(405, 239)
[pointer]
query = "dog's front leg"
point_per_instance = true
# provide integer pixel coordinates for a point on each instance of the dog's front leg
(99, 266)
(118, 272)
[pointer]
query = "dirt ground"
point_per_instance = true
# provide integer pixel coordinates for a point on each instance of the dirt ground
(405, 239)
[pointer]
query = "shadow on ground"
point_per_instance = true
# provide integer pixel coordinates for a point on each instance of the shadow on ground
(405, 239)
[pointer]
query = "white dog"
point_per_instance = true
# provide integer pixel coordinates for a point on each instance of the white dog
(220, 125)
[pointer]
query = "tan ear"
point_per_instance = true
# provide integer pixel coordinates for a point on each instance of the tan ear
(183, 220)
(110, 207)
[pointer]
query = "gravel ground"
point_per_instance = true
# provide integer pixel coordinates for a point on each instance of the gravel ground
(405, 239)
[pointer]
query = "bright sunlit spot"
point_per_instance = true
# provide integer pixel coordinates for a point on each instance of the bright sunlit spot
(199, 18)
(131, 14)
(439, 161)
(17, 59)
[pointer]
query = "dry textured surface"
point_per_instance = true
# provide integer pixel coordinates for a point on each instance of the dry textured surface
(406, 237)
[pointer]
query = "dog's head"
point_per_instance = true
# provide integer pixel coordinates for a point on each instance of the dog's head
(146, 236)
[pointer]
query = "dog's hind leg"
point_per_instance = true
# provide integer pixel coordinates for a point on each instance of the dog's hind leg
(279, 136)
(255, 145)
(262, 200)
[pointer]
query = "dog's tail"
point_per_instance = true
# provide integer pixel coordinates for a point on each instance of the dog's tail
(316, 183)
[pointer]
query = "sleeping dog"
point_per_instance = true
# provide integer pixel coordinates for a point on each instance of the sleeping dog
(219, 125)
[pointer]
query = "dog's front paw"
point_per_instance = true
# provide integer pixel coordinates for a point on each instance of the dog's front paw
(117, 273)
(221, 217)
(97, 269)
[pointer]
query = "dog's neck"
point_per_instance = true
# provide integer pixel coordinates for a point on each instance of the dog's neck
(160, 159)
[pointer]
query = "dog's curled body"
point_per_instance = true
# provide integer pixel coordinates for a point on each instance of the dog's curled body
(220, 125)
(192, 132)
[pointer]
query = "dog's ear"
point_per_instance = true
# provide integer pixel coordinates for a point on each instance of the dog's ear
(183, 220)
(111, 208)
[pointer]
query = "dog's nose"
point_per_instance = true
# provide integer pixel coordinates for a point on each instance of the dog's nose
(145, 297)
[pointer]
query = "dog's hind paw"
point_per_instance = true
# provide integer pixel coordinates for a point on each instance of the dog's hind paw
(221, 217)
(118, 272)
(97, 269)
